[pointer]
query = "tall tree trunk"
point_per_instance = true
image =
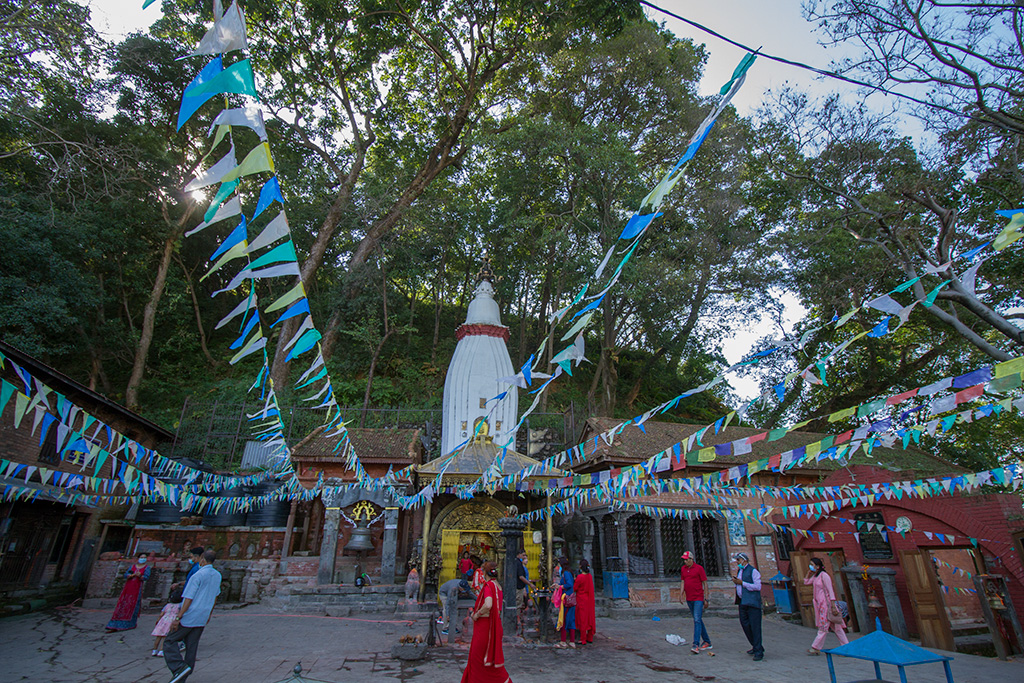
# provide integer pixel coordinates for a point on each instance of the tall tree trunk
(199, 318)
(610, 381)
(376, 355)
(131, 394)
(438, 291)
(441, 156)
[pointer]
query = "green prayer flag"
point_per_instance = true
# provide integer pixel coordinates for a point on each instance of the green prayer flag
(741, 69)
(870, 408)
(237, 79)
(1010, 367)
(1005, 383)
(932, 295)
(223, 193)
(256, 161)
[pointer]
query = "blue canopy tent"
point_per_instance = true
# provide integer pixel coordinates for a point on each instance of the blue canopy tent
(884, 648)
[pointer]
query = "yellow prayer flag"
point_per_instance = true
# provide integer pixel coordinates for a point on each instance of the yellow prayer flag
(1010, 367)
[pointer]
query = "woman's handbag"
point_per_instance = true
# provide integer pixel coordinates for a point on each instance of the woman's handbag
(834, 616)
(570, 599)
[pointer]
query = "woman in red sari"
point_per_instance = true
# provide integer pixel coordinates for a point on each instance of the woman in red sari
(126, 612)
(586, 622)
(486, 658)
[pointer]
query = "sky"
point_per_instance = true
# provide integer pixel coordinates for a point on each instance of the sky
(775, 26)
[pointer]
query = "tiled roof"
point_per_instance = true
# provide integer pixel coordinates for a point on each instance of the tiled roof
(371, 445)
(634, 445)
(477, 457)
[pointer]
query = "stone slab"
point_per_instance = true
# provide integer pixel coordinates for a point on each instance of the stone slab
(254, 645)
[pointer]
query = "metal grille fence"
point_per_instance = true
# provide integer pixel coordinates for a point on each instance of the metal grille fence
(674, 543)
(640, 540)
(705, 542)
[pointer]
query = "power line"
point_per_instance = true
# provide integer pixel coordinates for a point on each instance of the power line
(808, 67)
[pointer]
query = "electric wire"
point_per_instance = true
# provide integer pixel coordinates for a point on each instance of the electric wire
(813, 69)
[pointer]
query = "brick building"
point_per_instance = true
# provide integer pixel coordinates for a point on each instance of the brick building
(47, 546)
(648, 547)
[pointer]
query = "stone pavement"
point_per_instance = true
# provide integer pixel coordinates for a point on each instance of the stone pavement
(249, 645)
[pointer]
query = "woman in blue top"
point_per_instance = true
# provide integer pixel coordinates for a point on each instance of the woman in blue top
(565, 580)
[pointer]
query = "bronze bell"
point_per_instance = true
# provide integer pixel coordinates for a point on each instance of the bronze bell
(873, 601)
(360, 539)
(995, 601)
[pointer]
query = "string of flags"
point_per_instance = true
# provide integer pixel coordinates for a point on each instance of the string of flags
(578, 453)
(138, 473)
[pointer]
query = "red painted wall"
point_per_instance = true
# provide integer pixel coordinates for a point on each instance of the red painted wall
(990, 518)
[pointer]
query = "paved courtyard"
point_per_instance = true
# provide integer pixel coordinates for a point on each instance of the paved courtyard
(251, 646)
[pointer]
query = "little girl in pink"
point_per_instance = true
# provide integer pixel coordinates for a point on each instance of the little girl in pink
(163, 626)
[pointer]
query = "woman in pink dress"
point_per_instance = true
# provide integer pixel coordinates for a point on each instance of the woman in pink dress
(824, 603)
(486, 659)
(167, 617)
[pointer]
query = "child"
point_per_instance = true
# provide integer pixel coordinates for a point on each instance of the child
(163, 626)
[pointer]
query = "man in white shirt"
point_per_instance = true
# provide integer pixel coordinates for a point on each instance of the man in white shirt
(199, 595)
(748, 597)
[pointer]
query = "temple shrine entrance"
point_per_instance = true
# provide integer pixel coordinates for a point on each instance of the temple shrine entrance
(472, 526)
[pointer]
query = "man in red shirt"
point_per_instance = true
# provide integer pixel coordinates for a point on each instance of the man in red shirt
(693, 588)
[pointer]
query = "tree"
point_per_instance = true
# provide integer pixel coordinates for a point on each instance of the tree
(603, 122)
(968, 57)
(904, 212)
(393, 89)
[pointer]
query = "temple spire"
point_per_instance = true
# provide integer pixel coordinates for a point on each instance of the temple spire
(485, 272)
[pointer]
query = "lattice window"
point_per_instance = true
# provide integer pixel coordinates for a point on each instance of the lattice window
(673, 543)
(705, 545)
(640, 541)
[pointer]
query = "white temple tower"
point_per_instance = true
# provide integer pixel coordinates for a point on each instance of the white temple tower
(480, 358)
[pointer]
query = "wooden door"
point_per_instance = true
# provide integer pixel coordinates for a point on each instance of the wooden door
(533, 551)
(800, 561)
(929, 610)
(841, 584)
(449, 555)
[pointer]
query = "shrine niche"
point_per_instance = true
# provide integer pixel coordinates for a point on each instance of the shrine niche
(364, 513)
(465, 526)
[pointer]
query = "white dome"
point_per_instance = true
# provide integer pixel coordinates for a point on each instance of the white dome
(480, 358)
(483, 309)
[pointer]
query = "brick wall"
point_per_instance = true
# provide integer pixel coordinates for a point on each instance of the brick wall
(242, 580)
(992, 518)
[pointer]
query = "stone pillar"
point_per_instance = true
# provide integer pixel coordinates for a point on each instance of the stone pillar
(390, 548)
(328, 546)
(659, 553)
(620, 529)
(549, 544)
(887, 576)
(424, 549)
(512, 532)
(858, 598)
(286, 545)
(588, 540)
(689, 539)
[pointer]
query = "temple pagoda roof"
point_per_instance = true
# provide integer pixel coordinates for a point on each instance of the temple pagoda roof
(472, 460)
